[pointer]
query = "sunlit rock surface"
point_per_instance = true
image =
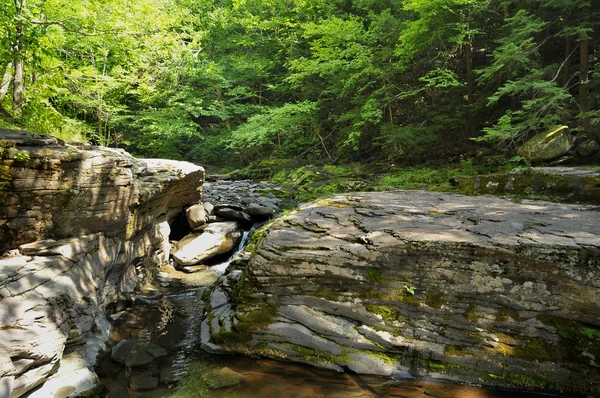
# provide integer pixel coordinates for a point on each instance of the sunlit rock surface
(79, 227)
(415, 283)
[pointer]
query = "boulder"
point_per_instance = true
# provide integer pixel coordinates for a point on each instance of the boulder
(217, 238)
(548, 145)
(587, 147)
(196, 215)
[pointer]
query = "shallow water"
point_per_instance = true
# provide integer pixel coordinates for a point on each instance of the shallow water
(173, 322)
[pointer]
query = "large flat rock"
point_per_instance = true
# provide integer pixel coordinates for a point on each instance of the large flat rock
(477, 289)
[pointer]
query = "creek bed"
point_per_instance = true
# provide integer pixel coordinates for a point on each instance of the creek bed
(170, 316)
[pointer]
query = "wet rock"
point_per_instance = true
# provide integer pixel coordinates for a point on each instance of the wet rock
(259, 212)
(196, 216)
(143, 382)
(223, 378)
(133, 352)
(217, 238)
(547, 145)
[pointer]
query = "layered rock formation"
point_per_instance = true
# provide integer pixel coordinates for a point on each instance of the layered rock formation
(416, 284)
(80, 227)
(571, 184)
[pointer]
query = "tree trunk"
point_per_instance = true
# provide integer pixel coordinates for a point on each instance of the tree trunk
(6, 80)
(19, 62)
(18, 87)
(584, 69)
(470, 88)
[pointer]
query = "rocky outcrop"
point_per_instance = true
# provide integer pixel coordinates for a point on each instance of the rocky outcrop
(80, 227)
(414, 284)
(569, 184)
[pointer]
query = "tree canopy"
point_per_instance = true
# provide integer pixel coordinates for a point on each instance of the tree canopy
(234, 81)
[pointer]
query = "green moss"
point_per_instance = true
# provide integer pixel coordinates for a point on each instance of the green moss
(569, 330)
(439, 366)
(372, 294)
(319, 357)
(537, 350)
(381, 356)
(247, 324)
(5, 181)
(375, 275)
(505, 349)
(336, 170)
(504, 338)
(502, 315)
(471, 313)
(526, 381)
(387, 313)
(452, 350)
(434, 300)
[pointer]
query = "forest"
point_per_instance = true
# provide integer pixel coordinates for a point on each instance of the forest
(231, 82)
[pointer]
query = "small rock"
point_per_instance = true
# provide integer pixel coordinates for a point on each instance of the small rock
(196, 215)
(224, 378)
(260, 212)
(208, 208)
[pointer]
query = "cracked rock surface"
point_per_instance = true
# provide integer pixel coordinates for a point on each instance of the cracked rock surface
(415, 283)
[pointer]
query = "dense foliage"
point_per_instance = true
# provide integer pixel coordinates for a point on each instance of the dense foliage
(233, 81)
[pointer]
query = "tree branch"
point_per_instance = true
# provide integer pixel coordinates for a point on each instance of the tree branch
(63, 25)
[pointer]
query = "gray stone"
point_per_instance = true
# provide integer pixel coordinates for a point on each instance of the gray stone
(131, 353)
(235, 215)
(547, 145)
(258, 211)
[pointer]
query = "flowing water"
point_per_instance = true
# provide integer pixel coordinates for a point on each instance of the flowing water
(170, 316)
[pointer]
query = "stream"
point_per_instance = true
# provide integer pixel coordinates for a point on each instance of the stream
(169, 314)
